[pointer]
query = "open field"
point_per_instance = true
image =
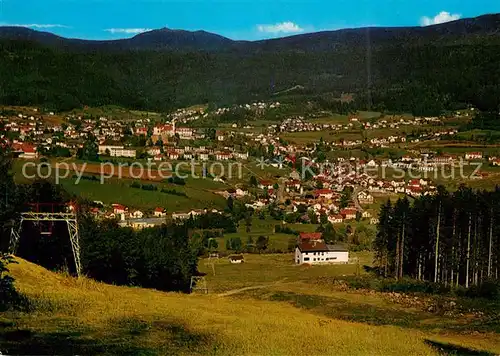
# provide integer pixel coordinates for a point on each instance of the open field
(277, 241)
(306, 137)
(276, 278)
(119, 191)
(333, 119)
(368, 115)
(80, 316)
(271, 269)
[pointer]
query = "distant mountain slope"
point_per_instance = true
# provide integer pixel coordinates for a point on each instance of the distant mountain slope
(165, 39)
(180, 40)
(415, 69)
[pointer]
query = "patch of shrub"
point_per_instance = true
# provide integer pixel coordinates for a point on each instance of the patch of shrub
(9, 297)
(285, 230)
(173, 192)
(135, 185)
(489, 289)
(149, 187)
(91, 178)
(176, 180)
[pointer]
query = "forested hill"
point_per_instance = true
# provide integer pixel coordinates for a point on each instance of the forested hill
(423, 70)
(180, 40)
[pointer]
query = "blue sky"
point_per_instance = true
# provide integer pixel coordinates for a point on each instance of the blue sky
(236, 19)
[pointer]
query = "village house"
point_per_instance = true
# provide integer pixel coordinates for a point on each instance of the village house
(141, 131)
(185, 133)
(223, 156)
(324, 193)
(365, 198)
(137, 214)
(119, 209)
(265, 184)
(180, 216)
(116, 151)
(316, 252)
(173, 155)
(336, 219)
(25, 150)
(473, 156)
(159, 213)
(154, 151)
(203, 156)
(239, 155)
(348, 214)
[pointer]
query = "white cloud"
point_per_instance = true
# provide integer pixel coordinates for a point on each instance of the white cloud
(442, 17)
(36, 25)
(284, 27)
(128, 30)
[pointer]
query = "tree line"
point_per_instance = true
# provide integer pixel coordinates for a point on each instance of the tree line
(163, 257)
(443, 77)
(451, 238)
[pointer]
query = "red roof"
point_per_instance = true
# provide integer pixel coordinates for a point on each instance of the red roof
(323, 191)
(159, 210)
(348, 212)
(311, 246)
(24, 147)
(311, 235)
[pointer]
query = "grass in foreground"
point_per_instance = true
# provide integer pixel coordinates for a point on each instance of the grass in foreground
(82, 316)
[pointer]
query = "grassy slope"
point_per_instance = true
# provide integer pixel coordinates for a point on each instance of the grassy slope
(119, 191)
(310, 288)
(82, 316)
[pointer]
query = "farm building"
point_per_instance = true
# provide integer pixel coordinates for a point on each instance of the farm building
(314, 252)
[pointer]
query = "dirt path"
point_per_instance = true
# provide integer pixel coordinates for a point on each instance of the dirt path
(261, 286)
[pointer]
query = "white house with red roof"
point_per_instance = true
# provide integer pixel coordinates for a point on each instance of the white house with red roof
(164, 129)
(324, 193)
(348, 214)
(185, 133)
(336, 219)
(25, 150)
(159, 213)
(119, 209)
(318, 252)
(223, 156)
(365, 198)
(141, 131)
(473, 155)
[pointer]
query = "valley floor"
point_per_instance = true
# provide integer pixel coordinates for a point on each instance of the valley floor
(292, 310)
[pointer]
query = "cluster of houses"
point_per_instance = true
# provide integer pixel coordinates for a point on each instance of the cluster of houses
(139, 219)
(202, 153)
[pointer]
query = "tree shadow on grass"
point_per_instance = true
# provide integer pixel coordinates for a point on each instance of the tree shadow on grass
(28, 342)
(450, 349)
(121, 338)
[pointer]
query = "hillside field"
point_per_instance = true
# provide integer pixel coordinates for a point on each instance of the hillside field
(292, 316)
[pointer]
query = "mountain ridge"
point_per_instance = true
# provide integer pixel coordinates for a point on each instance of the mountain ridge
(200, 40)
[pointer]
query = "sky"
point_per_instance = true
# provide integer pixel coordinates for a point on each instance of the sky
(236, 19)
